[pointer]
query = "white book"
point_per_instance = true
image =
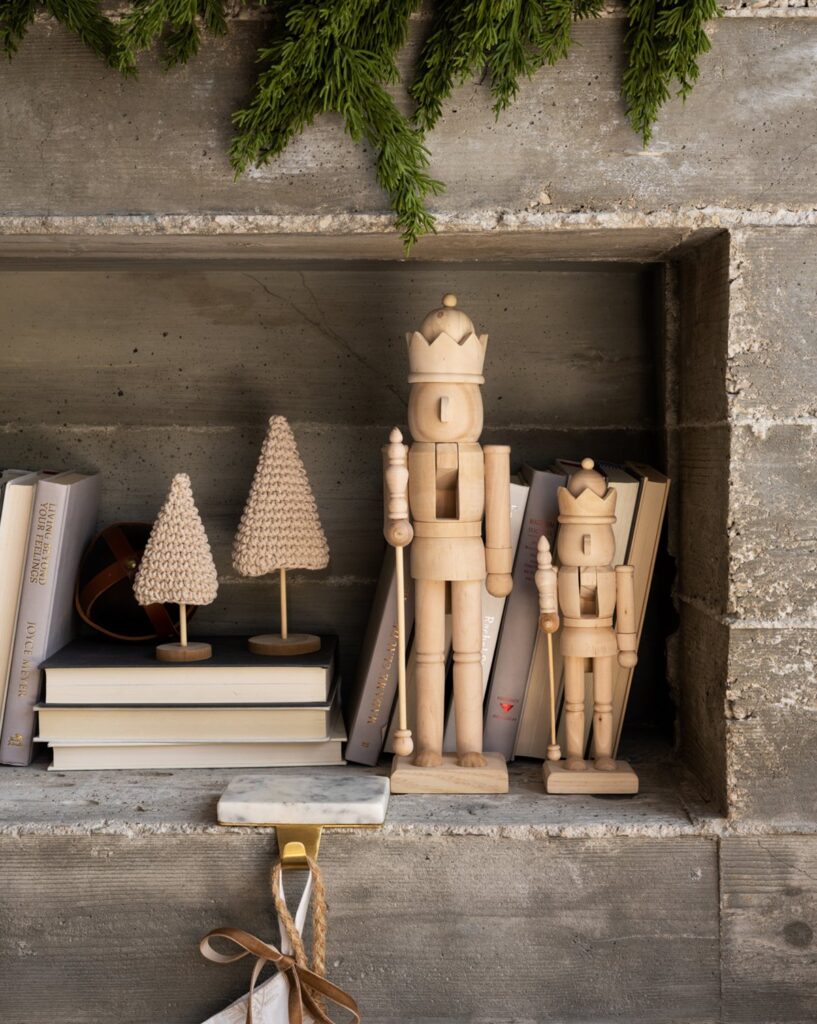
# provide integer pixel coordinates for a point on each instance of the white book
(63, 520)
(17, 496)
(103, 756)
(185, 723)
(95, 671)
(492, 610)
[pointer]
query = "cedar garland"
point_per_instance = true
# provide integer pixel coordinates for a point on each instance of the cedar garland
(340, 56)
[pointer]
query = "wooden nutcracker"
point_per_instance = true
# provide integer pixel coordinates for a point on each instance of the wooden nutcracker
(590, 593)
(448, 484)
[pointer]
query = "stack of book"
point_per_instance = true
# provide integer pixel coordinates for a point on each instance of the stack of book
(46, 521)
(109, 705)
(514, 669)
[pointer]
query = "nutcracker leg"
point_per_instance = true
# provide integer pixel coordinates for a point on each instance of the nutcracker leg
(429, 640)
(574, 713)
(466, 611)
(603, 713)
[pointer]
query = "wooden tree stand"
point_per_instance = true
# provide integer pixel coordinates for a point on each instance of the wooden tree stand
(449, 777)
(559, 780)
(284, 644)
(183, 650)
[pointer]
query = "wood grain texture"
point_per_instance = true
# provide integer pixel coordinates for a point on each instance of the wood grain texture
(118, 925)
(449, 777)
(769, 909)
(226, 347)
(140, 152)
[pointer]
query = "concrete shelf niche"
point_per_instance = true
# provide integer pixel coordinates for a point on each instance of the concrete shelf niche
(154, 355)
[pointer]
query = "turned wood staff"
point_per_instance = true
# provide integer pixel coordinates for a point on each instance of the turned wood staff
(398, 533)
(549, 622)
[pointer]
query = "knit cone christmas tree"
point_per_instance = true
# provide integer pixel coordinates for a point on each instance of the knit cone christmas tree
(280, 529)
(178, 566)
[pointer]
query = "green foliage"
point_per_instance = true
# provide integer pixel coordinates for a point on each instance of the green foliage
(82, 17)
(664, 40)
(339, 56)
(511, 39)
(175, 24)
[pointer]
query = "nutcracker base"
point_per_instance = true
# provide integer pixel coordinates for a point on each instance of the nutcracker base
(559, 780)
(449, 777)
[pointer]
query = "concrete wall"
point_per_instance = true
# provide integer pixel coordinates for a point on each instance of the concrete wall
(92, 167)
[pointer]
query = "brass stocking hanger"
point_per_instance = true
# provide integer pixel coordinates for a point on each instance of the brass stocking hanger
(299, 807)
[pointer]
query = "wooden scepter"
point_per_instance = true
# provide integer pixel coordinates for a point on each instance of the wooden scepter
(398, 534)
(549, 622)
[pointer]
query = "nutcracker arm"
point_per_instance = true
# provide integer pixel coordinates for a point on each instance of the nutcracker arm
(546, 582)
(626, 636)
(498, 551)
(396, 525)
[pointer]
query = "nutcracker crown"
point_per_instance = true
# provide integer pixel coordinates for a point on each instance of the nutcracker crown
(587, 499)
(446, 348)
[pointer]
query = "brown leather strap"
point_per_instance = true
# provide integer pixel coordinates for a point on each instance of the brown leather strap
(304, 985)
(127, 561)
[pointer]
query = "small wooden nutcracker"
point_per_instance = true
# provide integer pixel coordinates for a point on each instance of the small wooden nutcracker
(448, 484)
(589, 591)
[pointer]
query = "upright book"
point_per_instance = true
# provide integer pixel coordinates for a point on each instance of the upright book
(17, 496)
(649, 523)
(63, 521)
(93, 671)
(370, 700)
(493, 609)
(506, 690)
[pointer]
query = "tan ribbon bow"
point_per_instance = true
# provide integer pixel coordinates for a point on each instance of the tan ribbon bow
(302, 982)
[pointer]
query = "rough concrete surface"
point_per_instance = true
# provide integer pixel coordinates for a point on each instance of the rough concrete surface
(566, 136)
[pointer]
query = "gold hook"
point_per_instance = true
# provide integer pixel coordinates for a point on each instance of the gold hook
(296, 843)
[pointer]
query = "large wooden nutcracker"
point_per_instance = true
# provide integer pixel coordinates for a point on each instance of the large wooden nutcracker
(591, 594)
(447, 484)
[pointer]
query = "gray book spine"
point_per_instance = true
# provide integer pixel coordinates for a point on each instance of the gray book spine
(370, 702)
(506, 690)
(62, 524)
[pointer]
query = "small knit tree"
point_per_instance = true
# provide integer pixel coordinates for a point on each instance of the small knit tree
(280, 529)
(178, 566)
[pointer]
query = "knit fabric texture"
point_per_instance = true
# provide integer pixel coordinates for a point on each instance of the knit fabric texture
(177, 565)
(280, 527)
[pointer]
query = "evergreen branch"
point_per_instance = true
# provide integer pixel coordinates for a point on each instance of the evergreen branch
(339, 58)
(175, 24)
(512, 39)
(664, 40)
(15, 17)
(84, 18)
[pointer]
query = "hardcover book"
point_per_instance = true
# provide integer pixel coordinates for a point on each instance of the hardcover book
(17, 496)
(182, 723)
(506, 691)
(93, 671)
(98, 756)
(492, 611)
(370, 701)
(62, 523)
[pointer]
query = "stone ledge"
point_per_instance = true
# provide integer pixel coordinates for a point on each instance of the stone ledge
(141, 803)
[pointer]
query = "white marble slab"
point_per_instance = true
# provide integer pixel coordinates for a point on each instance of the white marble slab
(318, 799)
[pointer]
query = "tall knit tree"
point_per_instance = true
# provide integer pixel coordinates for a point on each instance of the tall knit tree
(178, 567)
(280, 529)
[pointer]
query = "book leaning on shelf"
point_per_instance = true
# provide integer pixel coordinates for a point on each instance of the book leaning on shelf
(63, 519)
